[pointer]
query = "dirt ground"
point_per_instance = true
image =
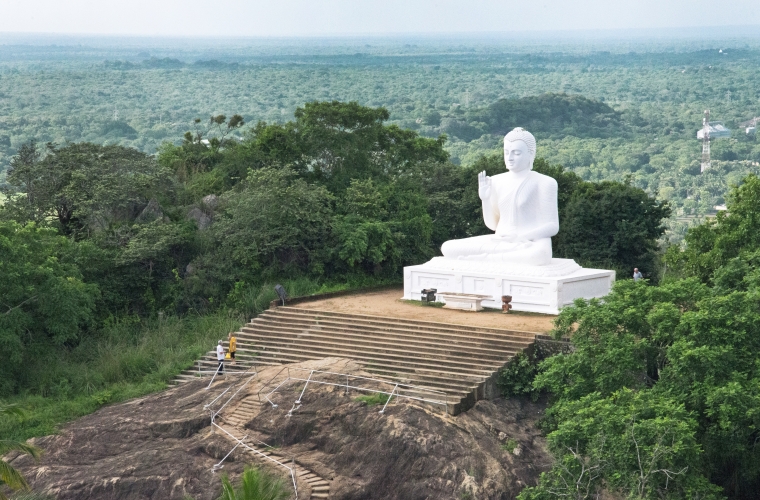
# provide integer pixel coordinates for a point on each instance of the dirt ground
(389, 303)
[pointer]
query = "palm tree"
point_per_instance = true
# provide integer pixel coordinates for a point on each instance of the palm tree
(256, 485)
(9, 476)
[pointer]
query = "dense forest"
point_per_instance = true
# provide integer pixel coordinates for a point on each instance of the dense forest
(606, 110)
(152, 199)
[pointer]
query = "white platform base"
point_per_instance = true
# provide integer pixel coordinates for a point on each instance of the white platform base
(544, 289)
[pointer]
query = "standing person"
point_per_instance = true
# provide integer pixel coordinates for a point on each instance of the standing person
(636, 274)
(220, 357)
(232, 345)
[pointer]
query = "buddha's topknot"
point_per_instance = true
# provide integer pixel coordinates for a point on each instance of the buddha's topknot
(520, 134)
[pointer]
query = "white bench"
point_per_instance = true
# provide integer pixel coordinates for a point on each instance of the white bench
(463, 301)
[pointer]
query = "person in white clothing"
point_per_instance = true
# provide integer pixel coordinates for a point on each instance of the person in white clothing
(220, 357)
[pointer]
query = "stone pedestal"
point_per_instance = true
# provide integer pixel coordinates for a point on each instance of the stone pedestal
(542, 289)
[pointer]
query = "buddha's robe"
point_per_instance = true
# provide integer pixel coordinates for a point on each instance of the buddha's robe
(522, 210)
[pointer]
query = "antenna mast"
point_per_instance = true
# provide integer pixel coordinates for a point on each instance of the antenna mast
(706, 141)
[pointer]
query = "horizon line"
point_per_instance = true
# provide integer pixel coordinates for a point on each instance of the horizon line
(682, 32)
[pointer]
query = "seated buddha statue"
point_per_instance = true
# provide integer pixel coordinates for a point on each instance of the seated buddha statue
(519, 205)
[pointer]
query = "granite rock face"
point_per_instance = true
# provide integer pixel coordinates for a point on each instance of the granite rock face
(156, 447)
(162, 446)
(412, 452)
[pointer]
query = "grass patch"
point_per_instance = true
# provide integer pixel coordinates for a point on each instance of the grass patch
(373, 399)
(510, 445)
(128, 358)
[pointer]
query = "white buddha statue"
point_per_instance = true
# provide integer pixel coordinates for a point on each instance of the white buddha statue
(519, 205)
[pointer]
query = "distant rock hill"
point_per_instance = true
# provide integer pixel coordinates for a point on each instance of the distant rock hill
(541, 114)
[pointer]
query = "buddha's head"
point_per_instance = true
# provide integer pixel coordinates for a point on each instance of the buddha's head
(519, 150)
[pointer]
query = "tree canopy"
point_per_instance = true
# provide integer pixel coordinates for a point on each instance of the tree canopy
(659, 397)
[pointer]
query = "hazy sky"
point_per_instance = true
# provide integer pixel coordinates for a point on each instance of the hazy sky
(356, 17)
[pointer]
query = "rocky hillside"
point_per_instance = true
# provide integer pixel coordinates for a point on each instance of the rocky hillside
(163, 446)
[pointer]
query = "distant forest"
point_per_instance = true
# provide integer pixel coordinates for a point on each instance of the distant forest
(627, 113)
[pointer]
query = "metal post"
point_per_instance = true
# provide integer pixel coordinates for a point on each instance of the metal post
(346, 385)
(298, 401)
(389, 399)
(293, 474)
(215, 374)
(218, 466)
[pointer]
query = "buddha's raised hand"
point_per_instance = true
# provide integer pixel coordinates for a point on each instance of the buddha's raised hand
(484, 185)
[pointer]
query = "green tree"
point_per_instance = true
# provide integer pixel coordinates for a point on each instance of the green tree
(9, 476)
(612, 225)
(382, 226)
(692, 348)
(715, 243)
(641, 444)
(83, 187)
(43, 298)
(331, 143)
(255, 485)
(271, 223)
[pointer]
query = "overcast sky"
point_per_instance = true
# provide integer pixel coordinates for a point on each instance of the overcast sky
(357, 17)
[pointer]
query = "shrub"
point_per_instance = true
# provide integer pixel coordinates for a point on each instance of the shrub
(516, 379)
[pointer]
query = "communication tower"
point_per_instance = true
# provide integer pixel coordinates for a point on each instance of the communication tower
(705, 141)
(710, 130)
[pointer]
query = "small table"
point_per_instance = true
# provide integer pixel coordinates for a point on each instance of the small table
(463, 301)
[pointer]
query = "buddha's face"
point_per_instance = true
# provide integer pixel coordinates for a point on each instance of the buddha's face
(517, 157)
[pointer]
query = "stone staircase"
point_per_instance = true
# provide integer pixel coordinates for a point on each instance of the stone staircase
(234, 421)
(207, 365)
(461, 361)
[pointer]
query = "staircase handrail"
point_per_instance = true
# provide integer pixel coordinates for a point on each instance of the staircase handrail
(266, 384)
(373, 379)
(236, 392)
(254, 450)
(395, 392)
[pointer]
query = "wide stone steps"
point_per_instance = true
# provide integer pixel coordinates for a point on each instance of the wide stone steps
(208, 365)
(405, 363)
(439, 377)
(483, 350)
(294, 315)
(404, 322)
(391, 331)
(411, 354)
(460, 361)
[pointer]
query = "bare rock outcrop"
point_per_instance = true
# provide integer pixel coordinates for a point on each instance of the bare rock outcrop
(411, 451)
(157, 447)
(162, 446)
